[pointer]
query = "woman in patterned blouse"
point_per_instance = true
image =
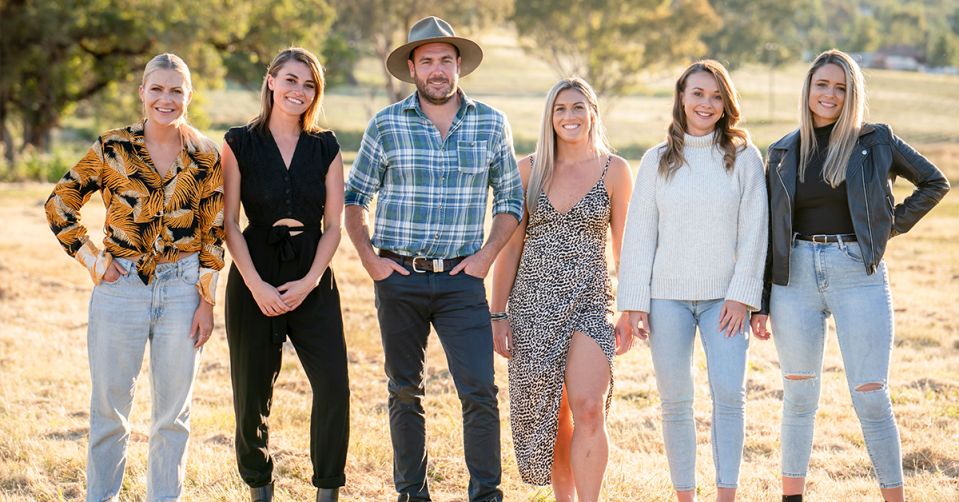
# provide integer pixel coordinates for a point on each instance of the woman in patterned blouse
(155, 279)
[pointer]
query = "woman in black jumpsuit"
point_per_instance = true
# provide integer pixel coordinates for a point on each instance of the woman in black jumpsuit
(280, 167)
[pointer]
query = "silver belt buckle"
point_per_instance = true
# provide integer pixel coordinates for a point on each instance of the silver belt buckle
(414, 264)
(436, 262)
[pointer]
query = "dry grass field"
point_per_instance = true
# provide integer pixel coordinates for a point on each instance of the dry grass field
(44, 375)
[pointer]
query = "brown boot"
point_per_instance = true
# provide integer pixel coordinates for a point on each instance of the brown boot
(261, 493)
(327, 494)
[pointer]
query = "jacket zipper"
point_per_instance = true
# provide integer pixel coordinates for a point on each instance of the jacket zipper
(872, 243)
(786, 193)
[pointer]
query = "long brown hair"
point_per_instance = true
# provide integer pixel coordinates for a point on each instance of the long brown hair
(545, 155)
(193, 139)
(845, 133)
(731, 139)
(308, 118)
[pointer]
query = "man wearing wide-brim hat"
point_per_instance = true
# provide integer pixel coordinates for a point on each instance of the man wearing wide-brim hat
(432, 159)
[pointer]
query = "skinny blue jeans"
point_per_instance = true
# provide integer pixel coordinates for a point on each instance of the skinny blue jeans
(673, 334)
(124, 317)
(830, 279)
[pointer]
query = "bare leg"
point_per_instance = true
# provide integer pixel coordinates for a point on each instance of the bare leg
(587, 381)
(561, 475)
(793, 486)
(725, 494)
(686, 496)
(893, 494)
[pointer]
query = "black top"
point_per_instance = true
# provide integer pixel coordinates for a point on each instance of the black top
(820, 208)
(268, 191)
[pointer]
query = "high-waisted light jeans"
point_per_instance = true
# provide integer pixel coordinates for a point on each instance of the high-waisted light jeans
(125, 316)
(830, 279)
(671, 341)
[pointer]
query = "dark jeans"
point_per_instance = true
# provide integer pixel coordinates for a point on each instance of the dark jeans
(456, 306)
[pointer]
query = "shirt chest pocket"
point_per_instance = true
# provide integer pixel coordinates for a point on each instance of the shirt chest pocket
(472, 157)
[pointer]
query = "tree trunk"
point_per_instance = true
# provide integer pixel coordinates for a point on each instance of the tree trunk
(5, 138)
(36, 133)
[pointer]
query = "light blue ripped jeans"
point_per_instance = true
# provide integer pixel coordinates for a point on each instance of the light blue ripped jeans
(125, 316)
(672, 340)
(830, 279)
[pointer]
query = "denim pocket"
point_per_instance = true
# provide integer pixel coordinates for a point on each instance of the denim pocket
(472, 156)
(128, 266)
(853, 251)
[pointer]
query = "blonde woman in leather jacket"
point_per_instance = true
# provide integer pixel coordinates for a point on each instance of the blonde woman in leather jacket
(831, 213)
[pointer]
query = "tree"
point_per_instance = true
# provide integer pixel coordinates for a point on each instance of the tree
(865, 36)
(748, 25)
(944, 49)
(383, 25)
(56, 53)
(608, 42)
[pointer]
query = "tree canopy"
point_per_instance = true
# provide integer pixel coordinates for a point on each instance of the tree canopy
(608, 42)
(57, 53)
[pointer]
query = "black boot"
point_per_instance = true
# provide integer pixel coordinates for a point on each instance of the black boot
(261, 493)
(327, 494)
(792, 498)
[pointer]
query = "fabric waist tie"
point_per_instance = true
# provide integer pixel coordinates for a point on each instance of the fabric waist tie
(283, 251)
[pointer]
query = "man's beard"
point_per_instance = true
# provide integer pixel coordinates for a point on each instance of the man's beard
(422, 87)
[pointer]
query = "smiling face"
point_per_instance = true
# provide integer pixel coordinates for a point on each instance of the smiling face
(702, 103)
(571, 116)
(165, 96)
(435, 69)
(293, 88)
(827, 94)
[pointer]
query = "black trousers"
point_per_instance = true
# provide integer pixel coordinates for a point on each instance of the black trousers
(456, 307)
(316, 330)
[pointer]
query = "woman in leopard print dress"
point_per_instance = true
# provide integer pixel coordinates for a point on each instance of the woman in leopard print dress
(559, 338)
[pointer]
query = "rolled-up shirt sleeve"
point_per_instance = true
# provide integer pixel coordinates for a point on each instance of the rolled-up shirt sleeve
(504, 177)
(63, 212)
(369, 167)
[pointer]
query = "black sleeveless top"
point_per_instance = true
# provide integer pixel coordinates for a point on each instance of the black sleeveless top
(268, 191)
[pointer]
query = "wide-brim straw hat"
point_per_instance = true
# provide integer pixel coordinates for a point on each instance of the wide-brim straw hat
(433, 30)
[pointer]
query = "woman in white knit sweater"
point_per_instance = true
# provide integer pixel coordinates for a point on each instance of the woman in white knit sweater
(693, 255)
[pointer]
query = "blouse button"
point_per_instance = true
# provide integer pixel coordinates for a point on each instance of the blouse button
(472, 144)
(287, 190)
(288, 201)
(863, 152)
(289, 213)
(286, 178)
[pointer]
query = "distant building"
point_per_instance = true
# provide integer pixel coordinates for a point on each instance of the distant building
(896, 57)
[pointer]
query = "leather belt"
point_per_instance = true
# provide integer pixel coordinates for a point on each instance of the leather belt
(423, 264)
(822, 239)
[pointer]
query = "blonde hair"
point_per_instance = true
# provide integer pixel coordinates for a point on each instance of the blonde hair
(308, 119)
(545, 155)
(193, 140)
(845, 133)
(730, 137)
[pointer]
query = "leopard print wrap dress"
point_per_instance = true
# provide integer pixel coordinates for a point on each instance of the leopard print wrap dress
(562, 286)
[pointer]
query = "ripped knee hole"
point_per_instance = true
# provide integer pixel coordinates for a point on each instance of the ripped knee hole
(800, 377)
(866, 387)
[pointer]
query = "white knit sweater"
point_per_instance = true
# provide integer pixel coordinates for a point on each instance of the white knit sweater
(701, 235)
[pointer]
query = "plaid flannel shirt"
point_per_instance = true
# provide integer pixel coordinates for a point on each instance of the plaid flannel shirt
(433, 192)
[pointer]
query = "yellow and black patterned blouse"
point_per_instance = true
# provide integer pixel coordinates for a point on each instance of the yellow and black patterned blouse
(146, 215)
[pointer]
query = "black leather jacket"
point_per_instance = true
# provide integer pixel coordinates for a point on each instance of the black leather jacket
(879, 157)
